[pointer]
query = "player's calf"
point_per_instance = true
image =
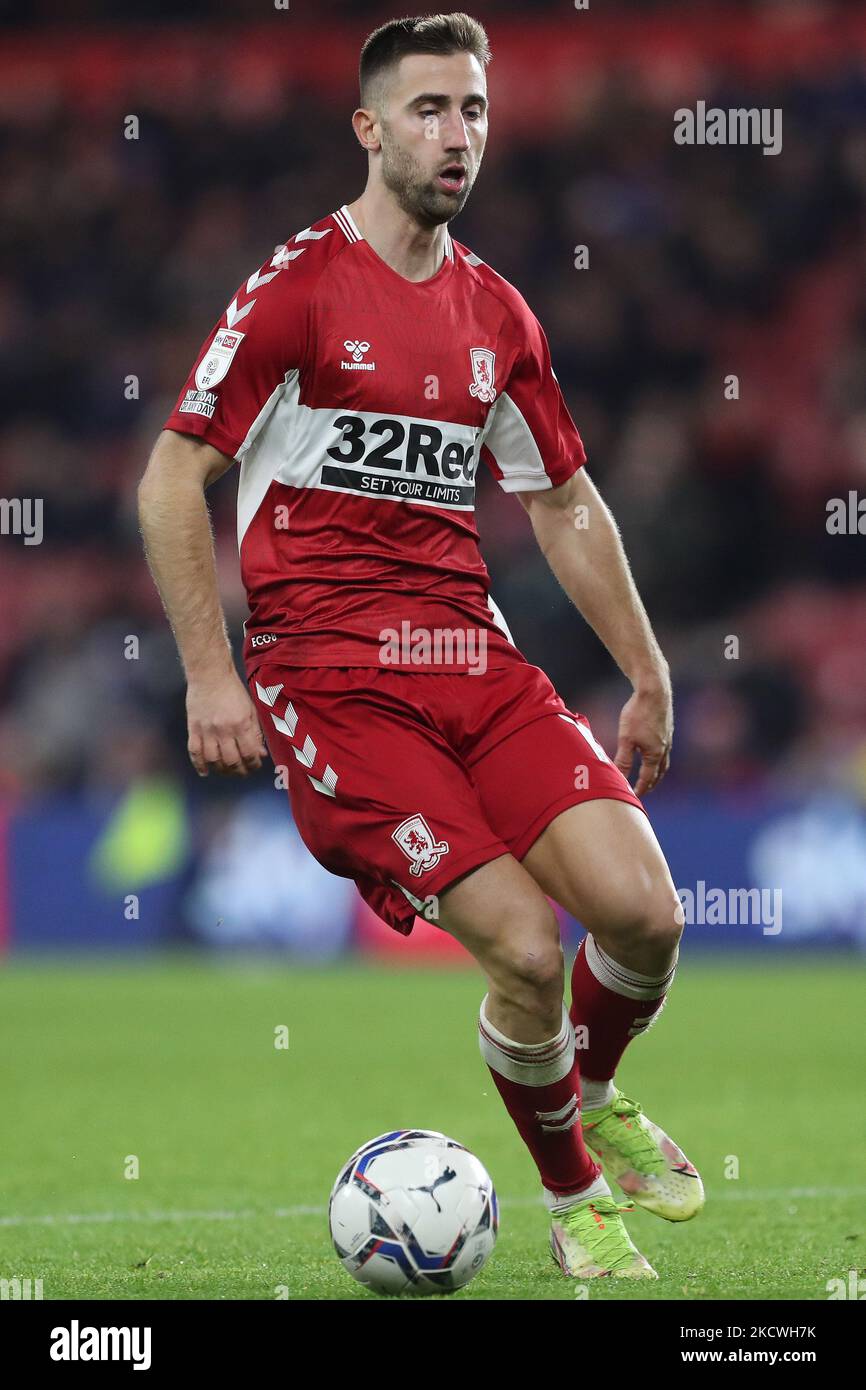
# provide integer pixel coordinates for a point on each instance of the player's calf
(525, 1035)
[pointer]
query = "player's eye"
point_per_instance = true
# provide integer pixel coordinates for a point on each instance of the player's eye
(474, 114)
(431, 111)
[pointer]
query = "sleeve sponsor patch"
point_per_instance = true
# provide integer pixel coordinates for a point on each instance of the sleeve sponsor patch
(198, 403)
(218, 358)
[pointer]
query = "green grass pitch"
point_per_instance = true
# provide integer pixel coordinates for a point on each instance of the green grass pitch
(753, 1067)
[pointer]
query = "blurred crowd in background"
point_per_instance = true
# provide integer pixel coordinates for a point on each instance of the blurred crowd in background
(119, 255)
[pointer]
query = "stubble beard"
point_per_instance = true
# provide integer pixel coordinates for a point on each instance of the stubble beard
(414, 189)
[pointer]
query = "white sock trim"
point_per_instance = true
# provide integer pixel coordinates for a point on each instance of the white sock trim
(528, 1064)
(559, 1202)
(619, 979)
(595, 1094)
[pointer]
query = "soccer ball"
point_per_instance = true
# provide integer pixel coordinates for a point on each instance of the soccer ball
(413, 1212)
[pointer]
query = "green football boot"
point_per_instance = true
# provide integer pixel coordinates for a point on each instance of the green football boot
(646, 1163)
(590, 1240)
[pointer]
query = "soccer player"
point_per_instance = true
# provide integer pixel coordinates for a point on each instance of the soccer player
(360, 377)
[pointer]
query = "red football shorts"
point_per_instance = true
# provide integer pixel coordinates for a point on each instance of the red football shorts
(405, 782)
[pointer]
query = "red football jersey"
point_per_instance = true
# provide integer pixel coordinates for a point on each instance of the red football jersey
(358, 405)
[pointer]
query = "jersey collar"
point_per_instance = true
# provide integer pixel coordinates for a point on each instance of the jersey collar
(351, 231)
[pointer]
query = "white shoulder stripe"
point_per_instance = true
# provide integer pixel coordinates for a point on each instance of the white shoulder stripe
(353, 226)
(342, 224)
(347, 224)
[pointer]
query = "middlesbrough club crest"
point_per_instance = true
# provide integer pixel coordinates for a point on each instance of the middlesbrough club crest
(483, 369)
(418, 843)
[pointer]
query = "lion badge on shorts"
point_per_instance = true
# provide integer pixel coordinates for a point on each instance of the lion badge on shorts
(419, 844)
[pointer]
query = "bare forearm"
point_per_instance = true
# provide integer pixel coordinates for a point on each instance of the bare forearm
(175, 525)
(590, 563)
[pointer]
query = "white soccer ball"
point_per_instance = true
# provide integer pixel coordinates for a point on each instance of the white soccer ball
(413, 1212)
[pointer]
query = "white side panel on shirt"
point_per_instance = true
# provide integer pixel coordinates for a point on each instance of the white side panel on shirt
(512, 444)
(262, 450)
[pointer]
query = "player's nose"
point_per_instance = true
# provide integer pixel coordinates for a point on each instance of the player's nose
(454, 132)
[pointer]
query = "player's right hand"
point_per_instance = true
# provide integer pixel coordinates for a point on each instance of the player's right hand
(223, 726)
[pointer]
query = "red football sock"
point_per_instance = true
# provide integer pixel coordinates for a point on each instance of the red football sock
(613, 1004)
(540, 1085)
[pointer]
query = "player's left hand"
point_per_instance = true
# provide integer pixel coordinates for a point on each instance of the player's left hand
(646, 726)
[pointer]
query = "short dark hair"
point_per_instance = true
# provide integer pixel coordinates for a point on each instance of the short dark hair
(427, 33)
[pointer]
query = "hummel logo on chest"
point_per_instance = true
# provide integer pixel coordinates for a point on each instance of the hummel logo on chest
(357, 350)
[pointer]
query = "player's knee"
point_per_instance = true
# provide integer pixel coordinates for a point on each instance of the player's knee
(532, 973)
(656, 922)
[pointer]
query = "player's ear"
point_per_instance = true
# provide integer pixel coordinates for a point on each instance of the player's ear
(365, 124)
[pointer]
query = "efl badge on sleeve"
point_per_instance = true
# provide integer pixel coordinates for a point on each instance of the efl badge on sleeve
(418, 843)
(218, 358)
(483, 369)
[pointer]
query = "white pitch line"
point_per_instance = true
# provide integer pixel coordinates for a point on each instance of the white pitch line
(755, 1194)
(769, 1194)
(110, 1217)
